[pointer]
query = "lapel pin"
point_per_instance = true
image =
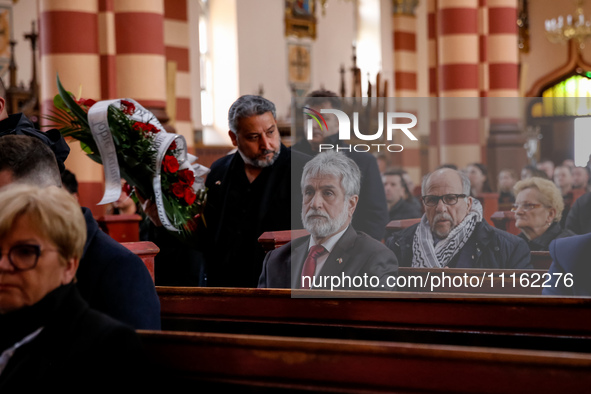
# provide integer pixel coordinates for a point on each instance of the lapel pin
(340, 260)
(218, 183)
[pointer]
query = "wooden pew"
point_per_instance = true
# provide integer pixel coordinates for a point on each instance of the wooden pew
(254, 363)
(273, 239)
(122, 228)
(541, 260)
(146, 251)
(535, 322)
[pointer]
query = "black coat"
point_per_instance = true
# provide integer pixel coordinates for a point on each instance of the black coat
(371, 214)
(570, 256)
(542, 243)
(578, 219)
(115, 281)
(78, 349)
(233, 255)
(488, 247)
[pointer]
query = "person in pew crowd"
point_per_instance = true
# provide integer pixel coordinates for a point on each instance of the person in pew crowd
(249, 192)
(478, 175)
(570, 256)
(530, 170)
(564, 181)
(399, 198)
(578, 219)
(111, 278)
(51, 339)
(70, 183)
(371, 215)
(547, 166)
(581, 177)
(452, 232)
(334, 249)
(538, 208)
(125, 204)
(506, 180)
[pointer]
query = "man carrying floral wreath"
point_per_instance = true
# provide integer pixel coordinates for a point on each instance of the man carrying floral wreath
(249, 192)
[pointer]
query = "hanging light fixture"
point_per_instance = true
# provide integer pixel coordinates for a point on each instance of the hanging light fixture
(562, 30)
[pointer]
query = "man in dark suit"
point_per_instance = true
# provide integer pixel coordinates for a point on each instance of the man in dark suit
(570, 259)
(249, 192)
(334, 256)
(371, 215)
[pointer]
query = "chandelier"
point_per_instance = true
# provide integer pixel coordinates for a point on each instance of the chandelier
(561, 30)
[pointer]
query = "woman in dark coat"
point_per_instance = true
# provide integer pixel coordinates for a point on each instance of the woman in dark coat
(51, 340)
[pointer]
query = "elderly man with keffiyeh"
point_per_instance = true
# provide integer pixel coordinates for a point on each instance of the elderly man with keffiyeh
(452, 232)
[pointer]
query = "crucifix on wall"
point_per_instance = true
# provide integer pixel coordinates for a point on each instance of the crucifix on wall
(298, 61)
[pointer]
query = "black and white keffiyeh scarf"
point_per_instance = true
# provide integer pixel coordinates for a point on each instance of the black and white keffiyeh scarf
(427, 255)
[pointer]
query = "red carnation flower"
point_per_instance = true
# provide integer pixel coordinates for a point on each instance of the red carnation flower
(170, 164)
(127, 107)
(187, 176)
(190, 196)
(87, 102)
(178, 189)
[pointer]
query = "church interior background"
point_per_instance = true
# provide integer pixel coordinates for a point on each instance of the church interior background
(188, 60)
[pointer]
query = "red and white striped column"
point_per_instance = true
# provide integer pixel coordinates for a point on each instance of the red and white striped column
(69, 45)
(176, 41)
(505, 141)
(458, 76)
(433, 150)
(140, 57)
(404, 24)
(106, 34)
(482, 47)
(502, 50)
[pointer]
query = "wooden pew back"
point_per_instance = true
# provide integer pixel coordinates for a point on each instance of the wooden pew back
(146, 251)
(380, 313)
(249, 363)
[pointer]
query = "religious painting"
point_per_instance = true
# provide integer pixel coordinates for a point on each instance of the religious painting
(300, 18)
(299, 65)
(5, 37)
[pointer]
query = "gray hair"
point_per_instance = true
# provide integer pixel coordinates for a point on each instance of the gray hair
(466, 186)
(29, 161)
(336, 164)
(247, 106)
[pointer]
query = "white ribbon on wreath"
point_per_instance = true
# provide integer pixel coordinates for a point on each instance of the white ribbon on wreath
(101, 133)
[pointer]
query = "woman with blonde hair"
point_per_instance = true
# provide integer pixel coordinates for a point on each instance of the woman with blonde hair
(538, 209)
(51, 339)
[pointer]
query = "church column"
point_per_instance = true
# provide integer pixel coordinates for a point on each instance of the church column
(404, 24)
(176, 41)
(503, 63)
(458, 56)
(433, 150)
(69, 45)
(106, 20)
(140, 57)
(505, 141)
(483, 74)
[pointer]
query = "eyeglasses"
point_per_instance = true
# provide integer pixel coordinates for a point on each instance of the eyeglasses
(448, 199)
(24, 257)
(525, 207)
